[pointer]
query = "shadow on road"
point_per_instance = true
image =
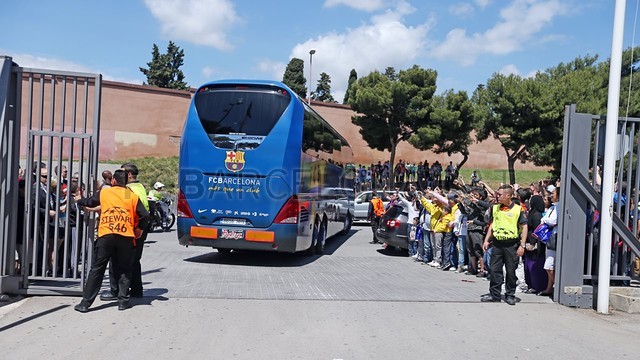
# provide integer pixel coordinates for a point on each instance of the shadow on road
(337, 241)
(393, 251)
(270, 259)
(32, 317)
(150, 295)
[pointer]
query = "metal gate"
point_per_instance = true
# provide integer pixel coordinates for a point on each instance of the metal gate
(580, 204)
(50, 122)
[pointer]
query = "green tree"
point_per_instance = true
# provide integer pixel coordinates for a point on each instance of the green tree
(451, 122)
(164, 69)
(389, 110)
(294, 77)
(353, 76)
(582, 82)
(517, 112)
(390, 72)
(629, 95)
(323, 90)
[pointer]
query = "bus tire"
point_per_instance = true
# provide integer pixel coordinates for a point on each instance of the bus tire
(312, 248)
(347, 224)
(321, 238)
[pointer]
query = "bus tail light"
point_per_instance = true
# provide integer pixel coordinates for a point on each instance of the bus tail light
(289, 212)
(183, 207)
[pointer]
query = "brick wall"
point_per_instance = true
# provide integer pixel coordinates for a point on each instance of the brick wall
(138, 121)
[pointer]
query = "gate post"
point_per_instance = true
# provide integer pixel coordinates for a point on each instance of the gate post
(572, 220)
(9, 161)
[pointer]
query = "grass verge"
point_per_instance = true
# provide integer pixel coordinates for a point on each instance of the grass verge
(495, 177)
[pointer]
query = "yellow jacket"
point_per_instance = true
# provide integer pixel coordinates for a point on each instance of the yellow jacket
(439, 222)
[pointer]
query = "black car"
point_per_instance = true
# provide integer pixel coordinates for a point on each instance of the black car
(393, 227)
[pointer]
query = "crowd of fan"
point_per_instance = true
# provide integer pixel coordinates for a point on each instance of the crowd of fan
(56, 222)
(378, 176)
(449, 228)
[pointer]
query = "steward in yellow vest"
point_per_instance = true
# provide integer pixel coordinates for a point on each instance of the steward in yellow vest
(136, 272)
(508, 234)
(122, 219)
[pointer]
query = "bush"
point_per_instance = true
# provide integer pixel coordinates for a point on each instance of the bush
(164, 170)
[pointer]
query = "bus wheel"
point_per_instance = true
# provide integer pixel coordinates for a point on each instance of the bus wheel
(347, 224)
(224, 251)
(321, 238)
(312, 248)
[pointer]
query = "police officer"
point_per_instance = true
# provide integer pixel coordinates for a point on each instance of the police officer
(122, 219)
(376, 210)
(506, 218)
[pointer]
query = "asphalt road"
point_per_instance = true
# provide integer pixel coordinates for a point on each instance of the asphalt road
(355, 302)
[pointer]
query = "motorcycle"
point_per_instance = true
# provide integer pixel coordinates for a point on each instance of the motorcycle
(156, 222)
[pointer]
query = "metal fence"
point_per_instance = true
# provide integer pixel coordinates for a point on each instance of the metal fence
(53, 124)
(580, 206)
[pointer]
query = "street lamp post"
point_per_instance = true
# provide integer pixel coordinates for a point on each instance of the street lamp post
(311, 52)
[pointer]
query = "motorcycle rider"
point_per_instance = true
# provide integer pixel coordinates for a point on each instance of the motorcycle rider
(156, 195)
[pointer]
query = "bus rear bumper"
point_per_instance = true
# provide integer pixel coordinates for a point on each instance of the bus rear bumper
(283, 239)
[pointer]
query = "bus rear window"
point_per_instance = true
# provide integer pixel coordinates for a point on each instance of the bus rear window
(240, 110)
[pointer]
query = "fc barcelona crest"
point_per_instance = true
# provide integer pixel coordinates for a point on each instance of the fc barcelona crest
(234, 161)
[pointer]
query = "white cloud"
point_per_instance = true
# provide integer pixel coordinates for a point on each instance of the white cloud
(532, 73)
(482, 3)
(46, 63)
(461, 9)
(384, 41)
(276, 68)
(520, 22)
(365, 5)
(202, 22)
(512, 69)
(509, 69)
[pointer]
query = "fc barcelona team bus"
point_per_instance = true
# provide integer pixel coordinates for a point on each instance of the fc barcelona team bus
(260, 170)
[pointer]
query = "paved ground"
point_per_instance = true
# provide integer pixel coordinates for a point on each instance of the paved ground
(351, 269)
(355, 302)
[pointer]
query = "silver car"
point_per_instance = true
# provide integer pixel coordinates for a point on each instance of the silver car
(340, 200)
(362, 204)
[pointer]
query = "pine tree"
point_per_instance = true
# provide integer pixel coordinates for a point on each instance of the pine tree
(353, 76)
(294, 77)
(164, 69)
(323, 90)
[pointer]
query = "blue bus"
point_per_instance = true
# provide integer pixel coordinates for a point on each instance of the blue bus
(260, 170)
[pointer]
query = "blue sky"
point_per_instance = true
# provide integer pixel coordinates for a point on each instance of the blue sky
(464, 41)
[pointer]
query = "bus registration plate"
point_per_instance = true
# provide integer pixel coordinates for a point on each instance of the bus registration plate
(231, 234)
(232, 221)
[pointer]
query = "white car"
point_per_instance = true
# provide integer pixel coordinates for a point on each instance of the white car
(362, 204)
(341, 199)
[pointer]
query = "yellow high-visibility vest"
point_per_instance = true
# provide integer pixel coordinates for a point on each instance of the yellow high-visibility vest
(505, 223)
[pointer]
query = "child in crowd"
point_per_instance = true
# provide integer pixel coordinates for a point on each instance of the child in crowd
(413, 241)
(419, 238)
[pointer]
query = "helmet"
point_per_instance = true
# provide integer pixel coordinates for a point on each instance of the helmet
(158, 185)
